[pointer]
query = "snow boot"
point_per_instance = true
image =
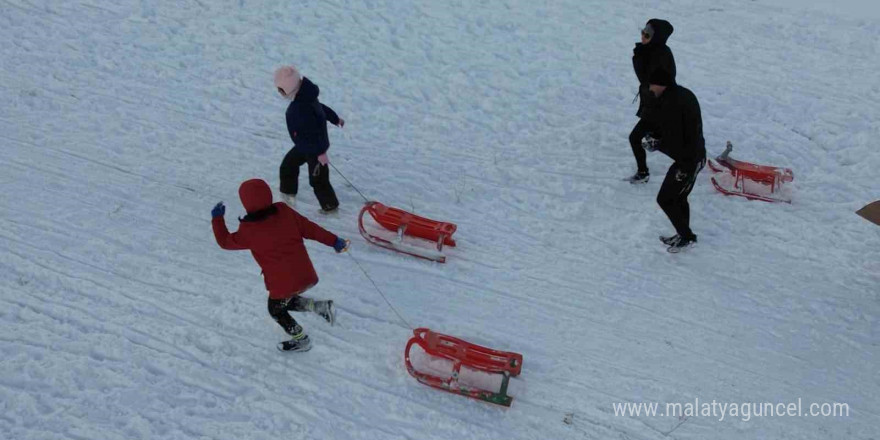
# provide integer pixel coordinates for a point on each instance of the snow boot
(325, 310)
(290, 199)
(299, 341)
(639, 178)
(682, 244)
(330, 209)
(670, 240)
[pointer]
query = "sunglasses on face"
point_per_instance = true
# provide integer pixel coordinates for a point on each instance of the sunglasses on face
(646, 35)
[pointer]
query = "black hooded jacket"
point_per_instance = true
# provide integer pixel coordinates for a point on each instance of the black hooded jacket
(307, 120)
(652, 56)
(680, 125)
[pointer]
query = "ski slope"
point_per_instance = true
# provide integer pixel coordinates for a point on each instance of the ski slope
(124, 122)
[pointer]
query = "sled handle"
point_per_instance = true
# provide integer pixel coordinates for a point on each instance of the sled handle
(727, 149)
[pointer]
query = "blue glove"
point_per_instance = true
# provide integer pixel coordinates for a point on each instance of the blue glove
(341, 245)
(218, 210)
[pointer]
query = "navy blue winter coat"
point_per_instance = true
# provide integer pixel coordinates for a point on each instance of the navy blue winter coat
(307, 120)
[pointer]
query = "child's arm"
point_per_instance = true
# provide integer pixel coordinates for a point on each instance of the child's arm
(230, 242)
(312, 231)
(332, 117)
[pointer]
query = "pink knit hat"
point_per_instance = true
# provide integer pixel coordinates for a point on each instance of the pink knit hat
(288, 79)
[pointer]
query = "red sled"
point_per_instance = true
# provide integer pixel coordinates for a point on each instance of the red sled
(407, 224)
(754, 182)
(472, 356)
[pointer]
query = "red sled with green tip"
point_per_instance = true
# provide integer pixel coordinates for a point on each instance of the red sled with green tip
(462, 353)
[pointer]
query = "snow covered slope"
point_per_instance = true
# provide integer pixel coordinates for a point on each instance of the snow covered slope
(124, 122)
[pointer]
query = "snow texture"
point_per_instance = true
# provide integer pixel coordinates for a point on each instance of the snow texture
(124, 122)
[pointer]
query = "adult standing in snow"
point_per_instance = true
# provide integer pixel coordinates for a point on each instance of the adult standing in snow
(649, 55)
(307, 124)
(274, 234)
(679, 135)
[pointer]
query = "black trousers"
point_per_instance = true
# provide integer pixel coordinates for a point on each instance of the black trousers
(319, 178)
(279, 308)
(674, 192)
(635, 141)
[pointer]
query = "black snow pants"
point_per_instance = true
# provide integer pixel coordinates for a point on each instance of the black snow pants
(635, 141)
(319, 178)
(279, 308)
(674, 192)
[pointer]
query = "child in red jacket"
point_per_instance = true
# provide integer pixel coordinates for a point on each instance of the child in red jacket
(274, 234)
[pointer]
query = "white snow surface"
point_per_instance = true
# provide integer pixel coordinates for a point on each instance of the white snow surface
(124, 122)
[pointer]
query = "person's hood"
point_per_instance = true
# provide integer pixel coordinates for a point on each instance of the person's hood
(308, 91)
(255, 195)
(288, 79)
(662, 31)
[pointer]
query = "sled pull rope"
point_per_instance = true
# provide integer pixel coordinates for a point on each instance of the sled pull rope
(349, 182)
(404, 321)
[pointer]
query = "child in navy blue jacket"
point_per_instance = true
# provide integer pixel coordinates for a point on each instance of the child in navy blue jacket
(307, 122)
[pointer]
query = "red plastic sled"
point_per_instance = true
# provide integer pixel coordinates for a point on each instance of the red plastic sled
(470, 355)
(405, 223)
(741, 172)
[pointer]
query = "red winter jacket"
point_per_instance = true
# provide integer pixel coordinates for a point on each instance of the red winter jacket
(274, 234)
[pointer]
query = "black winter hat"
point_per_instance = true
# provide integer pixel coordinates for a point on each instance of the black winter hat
(661, 77)
(661, 30)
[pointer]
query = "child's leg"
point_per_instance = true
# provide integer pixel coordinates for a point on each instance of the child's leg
(289, 171)
(319, 179)
(278, 310)
(324, 309)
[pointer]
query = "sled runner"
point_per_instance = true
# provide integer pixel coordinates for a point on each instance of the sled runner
(754, 182)
(407, 224)
(471, 356)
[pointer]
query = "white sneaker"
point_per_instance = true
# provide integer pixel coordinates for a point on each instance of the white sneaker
(301, 344)
(290, 199)
(299, 340)
(639, 178)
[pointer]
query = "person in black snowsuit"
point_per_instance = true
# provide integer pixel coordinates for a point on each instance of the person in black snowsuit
(679, 135)
(648, 56)
(307, 120)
